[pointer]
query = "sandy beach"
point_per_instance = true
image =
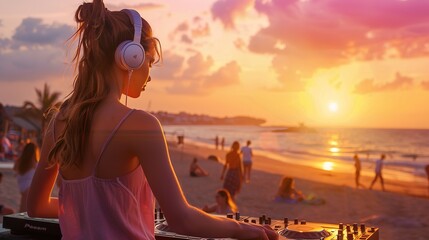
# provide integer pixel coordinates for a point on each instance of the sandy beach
(401, 212)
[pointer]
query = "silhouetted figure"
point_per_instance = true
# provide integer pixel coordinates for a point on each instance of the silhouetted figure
(217, 142)
(224, 203)
(222, 143)
(427, 173)
(233, 169)
(247, 154)
(195, 170)
(378, 172)
(357, 172)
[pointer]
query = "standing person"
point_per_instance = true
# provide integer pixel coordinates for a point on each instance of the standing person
(378, 172)
(247, 154)
(357, 172)
(427, 173)
(233, 168)
(25, 166)
(113, 161)
(224, 203)
(217, 142)
(222, 143)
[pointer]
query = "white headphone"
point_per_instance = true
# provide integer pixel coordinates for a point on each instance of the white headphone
(130, 55)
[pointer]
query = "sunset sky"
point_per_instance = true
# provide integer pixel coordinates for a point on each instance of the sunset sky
(345, 63)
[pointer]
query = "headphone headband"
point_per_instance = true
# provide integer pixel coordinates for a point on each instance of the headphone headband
(136, 21)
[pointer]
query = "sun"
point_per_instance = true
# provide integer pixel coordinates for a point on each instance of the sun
(333, 106)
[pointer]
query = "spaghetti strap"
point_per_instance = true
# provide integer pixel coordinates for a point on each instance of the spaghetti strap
(110, 138)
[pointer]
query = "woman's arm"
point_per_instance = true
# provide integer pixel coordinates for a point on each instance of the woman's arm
(39, 201)
(150, 145)
(210, 209)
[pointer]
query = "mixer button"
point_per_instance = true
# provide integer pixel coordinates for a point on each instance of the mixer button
(303, 222)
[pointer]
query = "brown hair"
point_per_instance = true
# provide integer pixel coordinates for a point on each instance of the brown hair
(286, 186)
(98, 34)
(28, 158)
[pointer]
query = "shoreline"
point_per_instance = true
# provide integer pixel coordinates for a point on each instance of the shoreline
(271, 164)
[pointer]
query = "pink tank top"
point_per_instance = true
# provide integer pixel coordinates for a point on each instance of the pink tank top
(96, 208)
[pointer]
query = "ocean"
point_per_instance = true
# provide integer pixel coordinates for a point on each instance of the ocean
(331, 149)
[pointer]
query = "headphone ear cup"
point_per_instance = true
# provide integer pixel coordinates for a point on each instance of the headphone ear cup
(129, 55)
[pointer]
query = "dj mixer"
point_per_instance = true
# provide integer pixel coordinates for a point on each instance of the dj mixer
(288, 229)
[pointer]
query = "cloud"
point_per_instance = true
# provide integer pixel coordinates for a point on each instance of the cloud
(34, 52)
(228, 10)
(369, 85)
(188, 32)
(310, 35)
(32, 32)
(196, 74)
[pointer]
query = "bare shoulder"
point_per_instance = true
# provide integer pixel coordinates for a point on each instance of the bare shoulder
(140, 119)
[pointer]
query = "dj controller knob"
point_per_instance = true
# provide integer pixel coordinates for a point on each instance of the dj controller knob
(246, 220)
(295, 221)
(253, 221)
(303, 222)
(341, 226)
(350, 236)
(362, 227)
(348, 228)
(286, 221)
(355, 227)
(237, 216)
(230, 215)
(340, 234)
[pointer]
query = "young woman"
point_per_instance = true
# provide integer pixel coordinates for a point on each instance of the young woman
(287, 192)
(113, 161)
(234, 170)
(25, 166)
(224, 204)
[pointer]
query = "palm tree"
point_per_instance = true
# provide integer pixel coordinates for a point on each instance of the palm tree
(45, 100)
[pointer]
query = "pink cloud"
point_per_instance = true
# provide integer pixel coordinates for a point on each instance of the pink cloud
(369, 85)
(329, 33)
(228, 10)
(195, 75)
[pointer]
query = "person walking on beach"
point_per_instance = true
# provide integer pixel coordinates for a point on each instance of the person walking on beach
(233, 168)
(222, 143)
(378, 172)
(247, 154)
(357, 170)
(113, 160)
(427, 173)
(217, 141)
(25, 166)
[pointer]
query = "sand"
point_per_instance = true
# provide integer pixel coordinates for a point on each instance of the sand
(401, 212)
